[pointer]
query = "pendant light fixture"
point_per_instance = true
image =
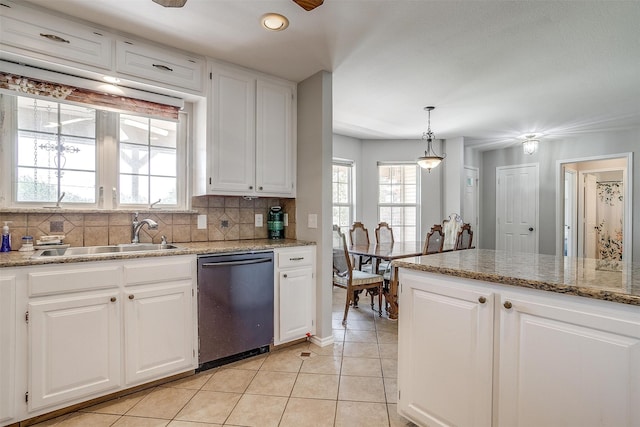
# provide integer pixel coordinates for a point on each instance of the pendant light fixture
(430, 159)
(530, 144)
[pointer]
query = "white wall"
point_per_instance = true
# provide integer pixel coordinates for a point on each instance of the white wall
(315, 118)
(373, 151)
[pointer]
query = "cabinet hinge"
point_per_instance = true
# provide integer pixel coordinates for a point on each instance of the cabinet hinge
(26, 317)
(399, 394)
(210, 76)
(192, 293)
(209, 180)
(26, 397)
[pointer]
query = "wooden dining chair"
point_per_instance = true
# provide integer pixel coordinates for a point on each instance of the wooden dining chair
(384, 234)
(434, 241)
(359, 235)
(464, 238)
(345, 276)
(450, 228)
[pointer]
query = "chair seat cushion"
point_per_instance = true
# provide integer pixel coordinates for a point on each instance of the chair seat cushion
(359, 278)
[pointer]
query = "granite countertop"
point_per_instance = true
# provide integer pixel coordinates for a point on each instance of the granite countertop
(19, 259)
(610, 281)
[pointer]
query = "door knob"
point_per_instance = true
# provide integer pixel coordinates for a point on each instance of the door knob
(530, 228)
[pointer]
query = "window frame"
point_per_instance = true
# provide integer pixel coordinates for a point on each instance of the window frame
(416, 205)
(352, 189)
(107, 188)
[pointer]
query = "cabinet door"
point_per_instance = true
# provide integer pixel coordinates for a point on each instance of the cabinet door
(445, 350)
(296, 298)
(159, 333)
(7, 347)
(567, 363)
(274, 139)
(74, 348)
(46, 34)
(232, 158)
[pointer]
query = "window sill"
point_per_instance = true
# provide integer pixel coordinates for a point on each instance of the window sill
(52, 210)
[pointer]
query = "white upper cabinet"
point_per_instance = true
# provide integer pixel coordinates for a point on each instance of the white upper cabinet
(32, 32)
(149, 62)
(252, 128)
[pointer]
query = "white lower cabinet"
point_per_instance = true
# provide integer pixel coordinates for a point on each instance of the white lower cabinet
(7, 347)
(74, 347)
(294, 294)
(557, 360)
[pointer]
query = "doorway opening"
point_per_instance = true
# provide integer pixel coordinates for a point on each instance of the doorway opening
(594, 208)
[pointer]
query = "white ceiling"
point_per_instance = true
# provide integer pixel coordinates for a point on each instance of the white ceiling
(495, 70)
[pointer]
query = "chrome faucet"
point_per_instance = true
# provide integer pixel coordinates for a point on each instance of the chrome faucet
(137, 225)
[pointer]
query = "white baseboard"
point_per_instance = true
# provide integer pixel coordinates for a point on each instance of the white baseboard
(322, 342)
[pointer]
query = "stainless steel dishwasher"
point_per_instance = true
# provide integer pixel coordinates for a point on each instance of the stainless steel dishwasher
(235, 306)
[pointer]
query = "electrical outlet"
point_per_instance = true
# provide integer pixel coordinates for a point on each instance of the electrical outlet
(202, 222)
(312, 222)
(258, 222)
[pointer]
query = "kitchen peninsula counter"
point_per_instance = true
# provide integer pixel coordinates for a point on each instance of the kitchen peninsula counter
(598, 279)
(19, 259)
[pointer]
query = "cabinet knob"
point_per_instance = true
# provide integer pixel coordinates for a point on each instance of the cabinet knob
(284, 275)
(113, 299)
(131, 296)
(482, 300)
(507, 305)
(251, 187)
(260, 188)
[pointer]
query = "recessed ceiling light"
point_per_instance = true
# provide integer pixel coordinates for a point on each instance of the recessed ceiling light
(274, 22)
(112, 80)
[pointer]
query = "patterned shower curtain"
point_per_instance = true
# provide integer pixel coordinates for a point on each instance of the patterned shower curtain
(609, 219)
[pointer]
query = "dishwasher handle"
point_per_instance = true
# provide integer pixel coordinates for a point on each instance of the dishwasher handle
(240, 262)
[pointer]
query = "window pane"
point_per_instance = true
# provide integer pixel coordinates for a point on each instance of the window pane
(134, 159)
(163, 133)
(398, 199)
(37, 114)
(78, 153)
(134, 189)
(163, 161)
(78, 121)
(164, 189)
(78, 187)
(32, 188)
(134, 129)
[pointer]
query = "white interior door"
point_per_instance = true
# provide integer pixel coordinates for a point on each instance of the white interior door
(517, 208)
(470, 201)
(589, 223)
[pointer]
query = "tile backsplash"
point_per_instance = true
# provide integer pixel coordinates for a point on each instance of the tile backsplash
(228, 218)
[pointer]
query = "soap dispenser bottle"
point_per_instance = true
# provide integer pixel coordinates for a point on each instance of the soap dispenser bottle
(6, 238)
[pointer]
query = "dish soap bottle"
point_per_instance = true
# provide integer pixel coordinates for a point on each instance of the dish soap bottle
(6, 238)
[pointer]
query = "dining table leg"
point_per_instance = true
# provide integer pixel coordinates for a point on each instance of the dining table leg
(392, 295)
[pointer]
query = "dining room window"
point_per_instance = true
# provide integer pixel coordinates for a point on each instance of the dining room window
(342, 193)
(398, 198)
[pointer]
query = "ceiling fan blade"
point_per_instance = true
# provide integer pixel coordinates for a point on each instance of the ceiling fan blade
(170, 3)
(308, 4)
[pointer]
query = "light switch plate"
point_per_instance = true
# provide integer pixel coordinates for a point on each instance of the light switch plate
(258, 220)
(313, 221)
(202, 222)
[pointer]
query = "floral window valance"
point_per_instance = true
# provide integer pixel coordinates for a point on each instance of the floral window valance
(27, 85)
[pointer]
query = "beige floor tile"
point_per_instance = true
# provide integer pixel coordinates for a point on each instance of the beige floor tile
(391, 389)
(53, 421)
(293, 350)
(83, 419)
(360, 325)
(360, 336)
(338, 335)
(252, 363)
(361, 414)
(309, 413)
(258, 411)
(127, 421)
(385, 337)
(334, 349)
(316, 386)
(194, 382)
(396, 420)
(209, 407)
(322, 365)
(389, 368)
(272, 383)
(175, 423)
(361, 389)
(230, 380)
(361, 366)
(163, 402)
(360, 349)
(118, 406)
(283, 361)
(388, 351)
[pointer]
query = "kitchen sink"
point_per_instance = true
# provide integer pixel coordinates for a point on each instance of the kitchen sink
(101, 250)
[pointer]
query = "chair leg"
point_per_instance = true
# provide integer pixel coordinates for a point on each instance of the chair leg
(380, 301)
(346, 309)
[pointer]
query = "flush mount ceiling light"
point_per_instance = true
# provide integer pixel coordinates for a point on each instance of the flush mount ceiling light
(274, 21)
(170, 3)
(530, 144)
(430, 159)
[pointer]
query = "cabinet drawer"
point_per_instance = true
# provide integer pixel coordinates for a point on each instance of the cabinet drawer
(64, 280)
(34, 31)
(156, 271)
(151, 63)
(299, 257)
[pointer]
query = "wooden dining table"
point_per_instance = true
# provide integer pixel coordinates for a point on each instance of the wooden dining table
(389, 252)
